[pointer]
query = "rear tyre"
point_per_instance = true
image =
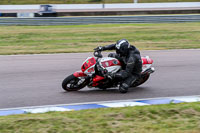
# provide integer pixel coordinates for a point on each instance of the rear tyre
(141, 80)
(72, 83)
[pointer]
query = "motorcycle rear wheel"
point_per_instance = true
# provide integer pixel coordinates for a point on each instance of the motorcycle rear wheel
(71, 83)
(141, 80)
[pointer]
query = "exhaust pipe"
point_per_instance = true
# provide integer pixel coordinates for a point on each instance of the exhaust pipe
(150, 70)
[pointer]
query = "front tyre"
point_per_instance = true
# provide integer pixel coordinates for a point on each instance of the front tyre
(72, 83)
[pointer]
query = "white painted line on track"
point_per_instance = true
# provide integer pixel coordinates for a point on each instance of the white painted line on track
(101, 104)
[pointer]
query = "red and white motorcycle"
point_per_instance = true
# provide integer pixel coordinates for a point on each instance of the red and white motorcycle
(94, 73)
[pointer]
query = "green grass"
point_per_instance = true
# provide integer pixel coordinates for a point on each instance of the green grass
(84, 1)
(83, 38)
(173, 118)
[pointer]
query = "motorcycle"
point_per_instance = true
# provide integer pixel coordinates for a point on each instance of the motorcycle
(95, 73)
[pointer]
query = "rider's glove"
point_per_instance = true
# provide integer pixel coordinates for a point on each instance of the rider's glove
(98, 48)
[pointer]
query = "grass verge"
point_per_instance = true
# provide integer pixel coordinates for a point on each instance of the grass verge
(83, 38)
(176, 118)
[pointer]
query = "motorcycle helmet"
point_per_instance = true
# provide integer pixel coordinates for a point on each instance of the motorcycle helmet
(122, 47)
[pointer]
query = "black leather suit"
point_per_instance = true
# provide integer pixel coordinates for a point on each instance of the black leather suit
(131, 65)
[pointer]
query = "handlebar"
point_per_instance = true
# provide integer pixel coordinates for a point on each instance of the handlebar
(98, 54)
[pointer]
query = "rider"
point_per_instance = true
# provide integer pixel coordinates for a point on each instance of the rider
(131, 61)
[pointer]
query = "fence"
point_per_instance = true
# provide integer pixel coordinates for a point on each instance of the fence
(18, 2)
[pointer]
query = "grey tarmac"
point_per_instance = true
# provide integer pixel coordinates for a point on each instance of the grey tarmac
(35, 80)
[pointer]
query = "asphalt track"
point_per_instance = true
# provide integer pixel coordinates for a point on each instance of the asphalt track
(100, 20)
(34, 80)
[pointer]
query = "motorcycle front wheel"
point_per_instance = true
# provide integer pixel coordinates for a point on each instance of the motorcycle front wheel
(72, 83)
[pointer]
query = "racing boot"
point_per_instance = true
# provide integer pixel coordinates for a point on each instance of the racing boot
(123, 88)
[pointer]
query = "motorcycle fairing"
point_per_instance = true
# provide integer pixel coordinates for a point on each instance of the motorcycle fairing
(110, 64)
(79, 74)
(146, 63)
(88, 65)
(147, 60)
(96, 79)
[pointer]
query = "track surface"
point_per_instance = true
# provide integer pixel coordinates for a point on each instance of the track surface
(100, 20)
(33, 80)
